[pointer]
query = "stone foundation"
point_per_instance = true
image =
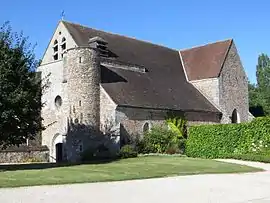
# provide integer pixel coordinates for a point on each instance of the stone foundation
(25, 154)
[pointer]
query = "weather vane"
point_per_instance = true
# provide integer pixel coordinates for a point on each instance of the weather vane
(63, 15)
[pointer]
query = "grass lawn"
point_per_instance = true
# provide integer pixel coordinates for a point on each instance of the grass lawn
(135, 168)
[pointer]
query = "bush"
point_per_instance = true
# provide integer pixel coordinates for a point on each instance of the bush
(159, 140)
(226, 140)
(251, 157)
(128, 151)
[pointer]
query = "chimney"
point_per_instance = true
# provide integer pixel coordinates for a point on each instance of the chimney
(100, 44)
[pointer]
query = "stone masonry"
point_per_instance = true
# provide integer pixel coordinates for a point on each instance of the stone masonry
(78, 109)
(229, 91)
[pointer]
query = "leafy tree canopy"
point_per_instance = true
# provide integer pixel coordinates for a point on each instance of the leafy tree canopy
(259, 94)
(20, 89)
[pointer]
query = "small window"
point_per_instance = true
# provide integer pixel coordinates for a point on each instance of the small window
(81, 117)
(80, 103)
(63, 44)
(80, 59)
(58, 101)
(55, 57)
(60, 33)
(55, 50)
(74, 111)
(80, 146)
(146, 127)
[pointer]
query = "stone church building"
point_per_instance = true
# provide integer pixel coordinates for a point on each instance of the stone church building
(99, 81)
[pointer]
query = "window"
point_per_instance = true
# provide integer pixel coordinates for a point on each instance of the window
(146, 127)
(235, 117)
(81, 117)
(58, 101)
(55, 57)
(80, 59)
(63, 46)
(80, 103)
(55, 50)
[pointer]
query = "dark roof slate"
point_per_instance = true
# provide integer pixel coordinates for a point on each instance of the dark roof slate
(164, 84)
(205, 61)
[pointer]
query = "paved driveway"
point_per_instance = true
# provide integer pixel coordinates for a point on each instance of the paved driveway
(236, 188)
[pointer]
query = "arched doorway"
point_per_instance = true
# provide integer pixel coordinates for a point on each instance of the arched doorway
(56, 151)
(235, 117)
(59, 152)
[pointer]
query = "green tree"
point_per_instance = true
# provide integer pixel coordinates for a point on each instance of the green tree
(259, 94)
(263, 81)
(20, 89)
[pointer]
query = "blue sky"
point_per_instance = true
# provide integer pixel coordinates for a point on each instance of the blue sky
(174, 23)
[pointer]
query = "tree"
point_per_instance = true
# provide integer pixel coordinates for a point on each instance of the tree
(263, 81)
(259, 95)
(20, 89)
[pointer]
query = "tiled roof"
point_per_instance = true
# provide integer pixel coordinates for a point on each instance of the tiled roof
(205, 61)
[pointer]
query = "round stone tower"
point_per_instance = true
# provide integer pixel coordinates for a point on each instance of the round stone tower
(82, 66)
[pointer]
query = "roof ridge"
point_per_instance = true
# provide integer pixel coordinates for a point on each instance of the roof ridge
(128, 37)
(207, 44)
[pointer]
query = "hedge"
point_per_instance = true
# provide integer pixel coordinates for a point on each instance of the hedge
(227, 140)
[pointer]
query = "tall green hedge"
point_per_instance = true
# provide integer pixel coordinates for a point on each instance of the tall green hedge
(225, 140)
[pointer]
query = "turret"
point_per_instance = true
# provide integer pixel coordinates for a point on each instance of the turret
(82, 75)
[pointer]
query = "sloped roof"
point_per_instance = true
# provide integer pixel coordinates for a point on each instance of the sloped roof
(163, 85)
(205, 61)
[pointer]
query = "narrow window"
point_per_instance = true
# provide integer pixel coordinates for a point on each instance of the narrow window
(146, 127)
(80, 59)
(55, 57)
(55, 50)
(58, 101)
(63, 44)
(80, 103)
(81, 117)
(74, 109)
(80, 147)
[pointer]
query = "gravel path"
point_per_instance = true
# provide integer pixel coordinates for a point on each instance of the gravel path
(229, 188)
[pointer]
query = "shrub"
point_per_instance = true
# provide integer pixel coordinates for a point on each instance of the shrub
(156, 140)
(251, 157)
(225, 140)
(159, 140)
(128, 151)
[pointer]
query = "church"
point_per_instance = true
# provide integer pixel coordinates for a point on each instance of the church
(99, 82)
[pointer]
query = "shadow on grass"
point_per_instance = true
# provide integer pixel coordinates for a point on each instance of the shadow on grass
(38, 166)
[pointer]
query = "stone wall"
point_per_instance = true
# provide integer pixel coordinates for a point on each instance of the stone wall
(209, 88)
(107, 111)
(54, 117)
(25, 154)
(133, 119)
(83, 93)
(58, 35)
(230, 90)
(233, 88)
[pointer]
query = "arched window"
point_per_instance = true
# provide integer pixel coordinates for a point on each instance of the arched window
(235, 117)
(146, 127)
(55, 50)
(63, 46)
(58, 101)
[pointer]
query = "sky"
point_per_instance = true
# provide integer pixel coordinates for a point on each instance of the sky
(176, 24)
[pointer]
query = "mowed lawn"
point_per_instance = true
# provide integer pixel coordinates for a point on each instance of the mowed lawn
(127, 169)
